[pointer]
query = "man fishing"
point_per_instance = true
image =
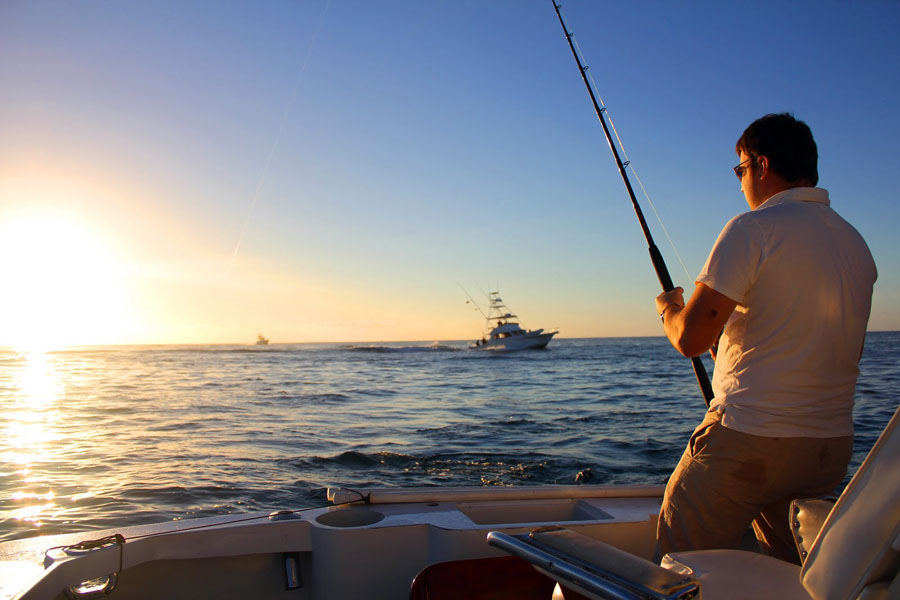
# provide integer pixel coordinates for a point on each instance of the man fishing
(785, 294)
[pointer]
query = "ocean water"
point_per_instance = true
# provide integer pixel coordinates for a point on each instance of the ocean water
(105, 437)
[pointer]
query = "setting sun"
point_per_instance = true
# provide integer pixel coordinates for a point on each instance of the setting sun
(62, 284)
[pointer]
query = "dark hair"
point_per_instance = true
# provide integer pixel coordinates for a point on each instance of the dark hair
(787, 143)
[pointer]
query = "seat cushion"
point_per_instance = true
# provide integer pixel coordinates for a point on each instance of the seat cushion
(738, 575)
(859, 543)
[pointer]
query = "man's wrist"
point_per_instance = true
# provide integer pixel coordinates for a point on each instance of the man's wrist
(662, 313)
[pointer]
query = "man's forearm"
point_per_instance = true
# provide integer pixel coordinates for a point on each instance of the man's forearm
(674, 327)
(694, 328)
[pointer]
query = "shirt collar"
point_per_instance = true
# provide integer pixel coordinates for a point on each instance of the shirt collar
(798, 194)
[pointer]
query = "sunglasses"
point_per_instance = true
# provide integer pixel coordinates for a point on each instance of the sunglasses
(739, 170)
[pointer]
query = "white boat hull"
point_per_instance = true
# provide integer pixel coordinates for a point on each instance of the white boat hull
(526, 341)
(346, 551)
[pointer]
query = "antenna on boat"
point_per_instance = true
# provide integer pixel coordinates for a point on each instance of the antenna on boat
(662, 272)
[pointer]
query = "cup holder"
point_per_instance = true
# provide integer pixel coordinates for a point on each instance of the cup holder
(349, 517)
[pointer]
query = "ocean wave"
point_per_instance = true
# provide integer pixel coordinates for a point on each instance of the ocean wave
(381, 349)
(143, 434)
(463, 468)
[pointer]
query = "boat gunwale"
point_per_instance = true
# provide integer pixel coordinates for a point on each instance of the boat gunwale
(401, 495)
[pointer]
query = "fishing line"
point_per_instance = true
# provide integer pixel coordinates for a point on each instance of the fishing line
(630, 165)
(659, 263)
(281, 127)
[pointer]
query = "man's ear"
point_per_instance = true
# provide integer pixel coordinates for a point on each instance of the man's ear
(763, 163)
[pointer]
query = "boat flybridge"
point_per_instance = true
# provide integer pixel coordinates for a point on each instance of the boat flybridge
(503, 332)
(537, 542)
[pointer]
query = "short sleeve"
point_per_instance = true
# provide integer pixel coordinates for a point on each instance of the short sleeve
(734, 262)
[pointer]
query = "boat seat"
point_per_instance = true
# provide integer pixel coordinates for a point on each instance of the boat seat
(721, 572)
(859, 543)
(754, 574)
(855, 554)
(807, 517)
(738, 574)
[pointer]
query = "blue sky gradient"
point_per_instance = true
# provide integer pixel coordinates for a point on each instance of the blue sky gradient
(417, 147)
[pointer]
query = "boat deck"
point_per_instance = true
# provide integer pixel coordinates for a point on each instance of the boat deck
(351, 550)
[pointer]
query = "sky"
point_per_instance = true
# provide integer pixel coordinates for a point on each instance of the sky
(345, 170)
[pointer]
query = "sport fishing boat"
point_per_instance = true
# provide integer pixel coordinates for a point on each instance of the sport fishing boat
(261, 341)
(476, 543)
(503, 332)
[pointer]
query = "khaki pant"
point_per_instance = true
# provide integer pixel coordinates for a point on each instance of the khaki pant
(727, 480)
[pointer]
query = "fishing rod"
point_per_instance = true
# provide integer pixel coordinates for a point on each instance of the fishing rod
(472, 301)
(662, 272)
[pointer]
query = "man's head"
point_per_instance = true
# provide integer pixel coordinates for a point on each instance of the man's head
(777, 152)
(787, 143)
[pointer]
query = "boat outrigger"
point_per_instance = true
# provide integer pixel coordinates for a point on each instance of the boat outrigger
(475, 543)
(503, 332)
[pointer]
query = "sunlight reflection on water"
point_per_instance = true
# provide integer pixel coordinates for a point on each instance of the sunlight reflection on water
(30, 433)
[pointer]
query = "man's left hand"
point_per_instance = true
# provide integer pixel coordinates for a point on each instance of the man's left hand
(675, 297)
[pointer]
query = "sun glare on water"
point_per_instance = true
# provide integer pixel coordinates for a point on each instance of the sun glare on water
(31, 438)
(61, 284)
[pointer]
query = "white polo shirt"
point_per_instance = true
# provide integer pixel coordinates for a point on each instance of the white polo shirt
(802, 278)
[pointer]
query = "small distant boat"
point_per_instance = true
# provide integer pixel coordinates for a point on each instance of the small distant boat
(260, 340)
(505, 333)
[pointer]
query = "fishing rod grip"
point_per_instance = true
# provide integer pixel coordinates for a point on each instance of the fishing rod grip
(662, 272)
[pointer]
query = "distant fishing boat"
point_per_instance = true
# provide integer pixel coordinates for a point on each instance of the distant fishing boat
(261, 341)
(503, 332)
